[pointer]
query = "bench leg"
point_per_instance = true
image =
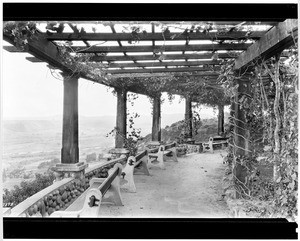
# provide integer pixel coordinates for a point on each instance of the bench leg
(211, 149)
(145, 169)
(174, 154)
(86, 211)
(128, 175)
(160, 161)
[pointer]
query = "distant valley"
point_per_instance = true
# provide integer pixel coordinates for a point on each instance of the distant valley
(29, 142)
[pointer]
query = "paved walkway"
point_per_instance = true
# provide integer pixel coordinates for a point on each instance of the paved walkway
(190, 188)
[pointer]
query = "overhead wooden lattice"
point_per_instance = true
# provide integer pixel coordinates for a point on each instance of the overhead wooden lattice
(152, 48)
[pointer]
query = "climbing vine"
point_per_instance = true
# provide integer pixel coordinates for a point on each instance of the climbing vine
(270, 122)
(133, 134)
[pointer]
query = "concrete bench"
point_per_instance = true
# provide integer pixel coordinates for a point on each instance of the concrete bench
(95, 195)
(157, 159)
(131, 167)
(214, 141)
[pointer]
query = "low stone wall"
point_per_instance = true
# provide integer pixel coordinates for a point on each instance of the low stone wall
(61, 194)
(189, 148)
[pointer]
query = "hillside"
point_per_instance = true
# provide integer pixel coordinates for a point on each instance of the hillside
(208, 128)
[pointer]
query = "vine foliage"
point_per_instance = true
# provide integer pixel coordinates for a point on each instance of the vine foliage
(270, 121)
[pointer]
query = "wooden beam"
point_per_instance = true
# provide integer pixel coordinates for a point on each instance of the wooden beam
(155, 64)
(158, 70)
(13, 49)
(47, 52)
(218, 23)
(165, 57)
(147, 75)
(34, 60)
(277, 39)
(42, 49)
(154, 36)
(158, 49)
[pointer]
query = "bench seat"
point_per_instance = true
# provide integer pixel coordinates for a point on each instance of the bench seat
(88, 204)
(214, 141)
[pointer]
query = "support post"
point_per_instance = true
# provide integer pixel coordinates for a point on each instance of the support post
(188, 118)
(70, 165)
(156, 121)
(242, 134)
(70, 150)
(121, 118)
(221, 120)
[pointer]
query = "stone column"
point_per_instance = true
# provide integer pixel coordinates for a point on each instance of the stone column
(189, 118)
(70, 164)
(121, 118)
(121, 125)
(156, 121)
(221, 119)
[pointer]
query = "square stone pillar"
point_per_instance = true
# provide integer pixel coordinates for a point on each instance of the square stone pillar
(156, 121)
(70, 165)
(121, 118)
(188, 118)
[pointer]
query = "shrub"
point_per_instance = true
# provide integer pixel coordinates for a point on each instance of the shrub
(27, 188)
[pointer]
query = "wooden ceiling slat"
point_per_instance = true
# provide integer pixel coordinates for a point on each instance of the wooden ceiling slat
(259, 22)
(166, 57)
(205, 47)
(207, 72)
(155, 64)
(155, 36)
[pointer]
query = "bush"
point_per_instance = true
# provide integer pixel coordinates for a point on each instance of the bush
(27, 188)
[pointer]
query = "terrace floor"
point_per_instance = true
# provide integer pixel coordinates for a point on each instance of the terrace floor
(190, 188)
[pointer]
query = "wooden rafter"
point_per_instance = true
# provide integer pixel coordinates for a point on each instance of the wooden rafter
(277, 39)
(206, 71)
(165, 57)
(216, 23)
(204, 47)
(155, 64)
(155, 36)
(46, 51)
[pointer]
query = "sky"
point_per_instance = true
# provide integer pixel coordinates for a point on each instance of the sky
(29, 90)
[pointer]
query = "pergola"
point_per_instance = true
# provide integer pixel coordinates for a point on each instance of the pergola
(129, 53)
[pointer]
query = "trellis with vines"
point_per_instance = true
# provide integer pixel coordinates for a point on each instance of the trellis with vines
(271, 127)
(271, 109)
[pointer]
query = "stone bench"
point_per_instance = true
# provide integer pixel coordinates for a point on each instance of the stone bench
(95, 195)
(131, 167)
(156, 157)
(214, 141)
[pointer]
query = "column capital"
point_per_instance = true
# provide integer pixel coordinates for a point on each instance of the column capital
(155, 95)
(68, 75)
(120, 90)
